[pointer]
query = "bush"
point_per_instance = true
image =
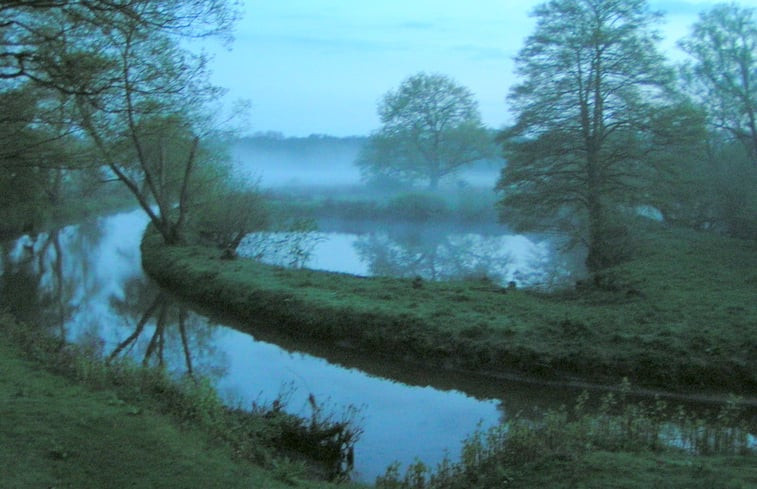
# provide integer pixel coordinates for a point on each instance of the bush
(229, 217)
(418, 206)
(494, 458)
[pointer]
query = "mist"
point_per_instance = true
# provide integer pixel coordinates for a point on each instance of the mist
(273, 160)
(276, 161)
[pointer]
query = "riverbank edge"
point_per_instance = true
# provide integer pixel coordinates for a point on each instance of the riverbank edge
(231, 288)
(269, 448)
(13, 222)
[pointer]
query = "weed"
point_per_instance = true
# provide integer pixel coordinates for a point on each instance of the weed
(261, 435)
(560, 437)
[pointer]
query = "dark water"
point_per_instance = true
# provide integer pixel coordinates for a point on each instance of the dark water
(86, 283)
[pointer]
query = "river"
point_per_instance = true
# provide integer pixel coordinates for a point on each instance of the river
(85, 282)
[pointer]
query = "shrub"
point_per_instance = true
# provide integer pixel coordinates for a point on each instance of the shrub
(418, 207)
(494, 457)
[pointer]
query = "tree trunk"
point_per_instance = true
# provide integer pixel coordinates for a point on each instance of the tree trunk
(596, 258)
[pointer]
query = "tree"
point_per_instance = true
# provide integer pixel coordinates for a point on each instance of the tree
(37, 155)
(226, 220)
(149, 120)
(723, 71)
(431, 128)
(581, 148)
(137, 94)
(722, 76)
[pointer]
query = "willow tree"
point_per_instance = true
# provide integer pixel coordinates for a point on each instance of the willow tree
(579, 151)
(137, 93)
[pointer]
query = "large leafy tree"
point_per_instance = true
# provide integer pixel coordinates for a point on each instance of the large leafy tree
(431, 127)
(38, 153)
(721, 75)
(723, 70)
(131, 86)
(593, 86)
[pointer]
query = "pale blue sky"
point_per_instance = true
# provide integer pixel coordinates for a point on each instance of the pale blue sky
(320, 66)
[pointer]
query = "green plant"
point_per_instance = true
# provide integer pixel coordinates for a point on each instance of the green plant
(418, 206)
(570, 438)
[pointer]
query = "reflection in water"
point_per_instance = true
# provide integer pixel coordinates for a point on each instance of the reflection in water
(432, 253)
(158, 330)
(111, 305)
(400, 422)
(42, 284)
(86, 284)
(437, 255)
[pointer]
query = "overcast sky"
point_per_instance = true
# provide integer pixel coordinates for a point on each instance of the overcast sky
(320, 66)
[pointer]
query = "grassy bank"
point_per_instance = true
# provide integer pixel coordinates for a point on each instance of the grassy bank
(681, 315)
(64, 426)
(622, 445)
(593, 470)
(70, 421)
(469, 205)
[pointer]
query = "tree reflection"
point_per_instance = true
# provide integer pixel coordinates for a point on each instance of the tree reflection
(163, 332)
(434, 255)
(36, 287)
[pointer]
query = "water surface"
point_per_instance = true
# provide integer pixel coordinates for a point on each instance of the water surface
(86, 283)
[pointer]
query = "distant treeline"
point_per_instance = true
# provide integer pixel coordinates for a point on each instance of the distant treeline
(317, 158)
(314, 144)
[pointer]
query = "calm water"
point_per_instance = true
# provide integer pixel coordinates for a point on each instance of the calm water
(86, 283)
(433, 252)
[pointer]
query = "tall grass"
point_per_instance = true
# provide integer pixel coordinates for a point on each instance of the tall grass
(266, 435)
(494, 457)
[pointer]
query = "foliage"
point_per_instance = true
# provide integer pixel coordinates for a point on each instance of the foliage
(124, 84)
(41, 161)
(229, 216)
(417, 206)
(717, 192)
(723, 71)
(510, 453)
(730, 191)
(721, 76)
(583, 145)
(464, 205)
(430, 128)
(264, 436)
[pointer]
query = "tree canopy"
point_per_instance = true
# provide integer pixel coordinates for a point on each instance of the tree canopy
(594, 93)
(126, 84)
(721, 75)
(431, 127)
(723, 71)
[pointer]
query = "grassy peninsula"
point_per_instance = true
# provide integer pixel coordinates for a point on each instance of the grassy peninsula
(680, 315)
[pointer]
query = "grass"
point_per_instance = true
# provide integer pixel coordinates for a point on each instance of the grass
(467, 205)
(607, 470)
(595, 470)
(622, 446)
(59, 431)
(680, 316)
(64, 424)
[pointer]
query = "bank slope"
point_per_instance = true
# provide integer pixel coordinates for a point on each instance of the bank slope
(56, 432)
(681, 316)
